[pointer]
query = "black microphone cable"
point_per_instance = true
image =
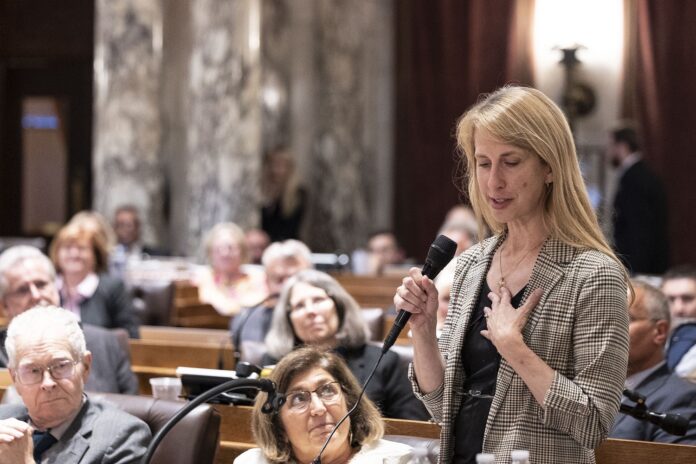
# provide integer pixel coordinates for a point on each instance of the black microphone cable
(317, 460)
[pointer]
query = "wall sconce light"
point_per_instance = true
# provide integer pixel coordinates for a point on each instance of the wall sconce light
(578, 97)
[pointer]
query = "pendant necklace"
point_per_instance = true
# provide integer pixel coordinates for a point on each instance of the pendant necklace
(501, 281)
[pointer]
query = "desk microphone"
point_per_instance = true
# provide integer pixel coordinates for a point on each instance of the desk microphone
(673, 424)
(440, 253)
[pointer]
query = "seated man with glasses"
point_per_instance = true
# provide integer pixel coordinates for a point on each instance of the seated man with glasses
(57, 422)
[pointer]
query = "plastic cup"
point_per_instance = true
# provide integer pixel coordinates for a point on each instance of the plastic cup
(166, 388)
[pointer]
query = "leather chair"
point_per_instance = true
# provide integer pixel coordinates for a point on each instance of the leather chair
(194, 440)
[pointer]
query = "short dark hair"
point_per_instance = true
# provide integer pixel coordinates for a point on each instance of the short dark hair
(366, 424)
(377, 232)
(627, 135)
(684, 271)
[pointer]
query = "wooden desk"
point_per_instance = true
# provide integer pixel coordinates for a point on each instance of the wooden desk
(370, 291)
(159, 358)
(189, 311)
(218, 337)
(614, 451)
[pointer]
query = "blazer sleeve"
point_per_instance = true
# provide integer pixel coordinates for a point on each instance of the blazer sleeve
(120, 306)
(129, 445)
(125, 378)
(583, 405)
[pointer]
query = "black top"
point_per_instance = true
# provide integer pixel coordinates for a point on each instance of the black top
(277, 225)
(480, 362)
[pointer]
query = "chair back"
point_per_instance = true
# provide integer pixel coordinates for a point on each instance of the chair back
(194, 440)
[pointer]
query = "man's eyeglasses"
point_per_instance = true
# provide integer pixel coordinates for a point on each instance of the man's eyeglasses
(25, 290)
(329, 393)
(30, 374)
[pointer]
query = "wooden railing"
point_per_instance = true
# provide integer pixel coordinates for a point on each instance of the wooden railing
(189, 311)
(370, 291)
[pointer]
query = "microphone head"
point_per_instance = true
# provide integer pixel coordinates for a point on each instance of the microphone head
(440, 254)
(674, 424)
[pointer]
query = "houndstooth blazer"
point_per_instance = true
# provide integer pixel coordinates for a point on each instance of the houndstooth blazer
(579, 328)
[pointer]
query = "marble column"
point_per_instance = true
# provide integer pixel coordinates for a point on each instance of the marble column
(224, 125)
(351, 145)
(127, 131)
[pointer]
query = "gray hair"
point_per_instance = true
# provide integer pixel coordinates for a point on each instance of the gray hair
(469, 227)
(14, 256)
(41, 321)
(352, 330)
(652, 300)
(287, 249)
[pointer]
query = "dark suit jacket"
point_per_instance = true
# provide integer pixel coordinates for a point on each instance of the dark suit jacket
(111, 367)
(640, 221)
(665, 393)
(111, 306)
(100, 434)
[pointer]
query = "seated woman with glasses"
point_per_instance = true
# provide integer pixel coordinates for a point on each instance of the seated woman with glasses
(313, 309)
(319, 390)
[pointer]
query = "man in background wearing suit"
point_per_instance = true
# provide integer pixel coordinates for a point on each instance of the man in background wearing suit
(27, 279)
(640, 208)
(648, 373)
(57, 423)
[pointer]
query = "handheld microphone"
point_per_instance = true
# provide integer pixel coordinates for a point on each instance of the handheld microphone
(673, 424)
(440, 253)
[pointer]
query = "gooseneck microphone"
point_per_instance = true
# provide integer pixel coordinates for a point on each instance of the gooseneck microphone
(440, 253)
(673, 424)
(272, 405)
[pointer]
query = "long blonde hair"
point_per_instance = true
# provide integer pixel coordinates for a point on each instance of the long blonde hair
(528, 119)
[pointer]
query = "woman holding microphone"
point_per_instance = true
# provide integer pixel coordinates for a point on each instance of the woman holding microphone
(534, 349)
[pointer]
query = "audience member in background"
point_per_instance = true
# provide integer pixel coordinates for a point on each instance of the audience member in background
(129, 244)
(461, 227)
(81, 258)
(226, 284)
(315, 310)
(97, 224)
(443, 284)
(27, 279)
(648, 373)
(319, 391)
(384, 252)
(283, 199)
(640, 207)
(679, 285)
(257, 241)
(49, 365)
(281, 260)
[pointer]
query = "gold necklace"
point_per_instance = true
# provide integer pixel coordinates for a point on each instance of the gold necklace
(501, 281)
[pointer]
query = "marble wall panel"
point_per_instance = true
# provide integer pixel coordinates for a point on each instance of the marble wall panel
(127, 120)
(224, 125)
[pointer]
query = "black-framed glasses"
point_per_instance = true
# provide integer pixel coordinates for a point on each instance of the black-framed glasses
(30, 374)
(328, 393)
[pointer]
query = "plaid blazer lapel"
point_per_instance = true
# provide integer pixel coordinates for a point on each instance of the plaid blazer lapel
(547, 273)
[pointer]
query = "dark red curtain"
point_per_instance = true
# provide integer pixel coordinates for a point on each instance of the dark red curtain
(448, 53)
(661, 95)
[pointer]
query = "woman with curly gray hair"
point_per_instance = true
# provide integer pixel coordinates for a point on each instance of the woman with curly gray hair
(319, 389)
(315, 310)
